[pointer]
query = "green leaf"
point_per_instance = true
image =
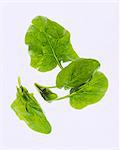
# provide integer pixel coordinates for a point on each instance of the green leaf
(27, 109)
(77, 73)
(46, 93)
(90, 92)
(48, 44)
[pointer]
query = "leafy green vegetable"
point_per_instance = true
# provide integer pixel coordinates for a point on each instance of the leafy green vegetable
(90, 92)
(46, 93)
(48, 44)
(27, 109)
(77, 73)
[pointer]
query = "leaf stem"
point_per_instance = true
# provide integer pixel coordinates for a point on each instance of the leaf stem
(41, 86)
(63, 97)
(50, 87)
(19, 81)
(38, 87)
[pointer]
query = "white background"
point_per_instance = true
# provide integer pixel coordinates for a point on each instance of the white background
(93, 28)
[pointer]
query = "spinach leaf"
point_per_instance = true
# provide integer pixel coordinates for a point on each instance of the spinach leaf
(48, 44)
(89, 93)
(45, 92)
(77, 73)
(27, 109)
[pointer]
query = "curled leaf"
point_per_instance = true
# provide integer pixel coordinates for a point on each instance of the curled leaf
(27, 109)
(77, 73)
(46, 93)
(90, 92)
